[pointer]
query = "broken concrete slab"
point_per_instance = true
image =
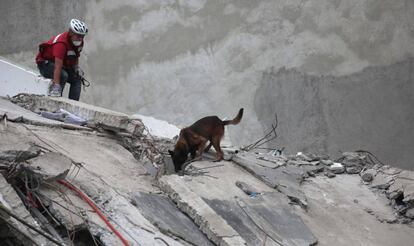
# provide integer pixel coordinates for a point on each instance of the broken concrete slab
(107, 173)
(98, 156)
(162, 213)
(11, 201)
(409, 194)
(131, 221)
(92, 114)
(403, 186)
(50, 166)
(18, 114)
(109, 176)
(68, 208)
(263, 223)
(214, 226)
(382, 181)
(19, 145)
(406, 175)
(333, 208)
(20, 152)
(277, 220)
(391, 170)
(120, 212)
(396, 189)
(224, 201)
(234, 215)
(272, 175)
(286, 179)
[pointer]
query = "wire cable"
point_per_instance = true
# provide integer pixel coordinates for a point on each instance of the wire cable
(89, 201)
(30, 226)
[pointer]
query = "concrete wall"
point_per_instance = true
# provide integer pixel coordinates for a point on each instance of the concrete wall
(181, 60)
(26, 23)
(368, 110)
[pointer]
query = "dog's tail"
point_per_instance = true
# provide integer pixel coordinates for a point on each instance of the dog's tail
(236, 120)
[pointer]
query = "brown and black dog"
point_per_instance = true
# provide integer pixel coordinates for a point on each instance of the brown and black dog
(193, 139)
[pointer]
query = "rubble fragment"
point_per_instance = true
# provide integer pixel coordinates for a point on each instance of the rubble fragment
(353, 169)
(337, 168)
(381, 181)
(50, 166)
(327, 162)
(410, 213)
(367, 177)
(160, 211)
(330, 174)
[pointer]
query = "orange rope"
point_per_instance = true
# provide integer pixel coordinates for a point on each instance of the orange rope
(90, 202)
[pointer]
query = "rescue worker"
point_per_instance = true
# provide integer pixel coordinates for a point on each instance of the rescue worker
(58, 59)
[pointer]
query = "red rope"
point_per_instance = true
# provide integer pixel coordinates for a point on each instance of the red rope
(90, 202)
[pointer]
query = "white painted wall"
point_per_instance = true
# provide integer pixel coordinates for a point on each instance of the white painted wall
(15, 80)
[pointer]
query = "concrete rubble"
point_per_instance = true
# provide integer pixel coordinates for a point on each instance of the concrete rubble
(252, 198)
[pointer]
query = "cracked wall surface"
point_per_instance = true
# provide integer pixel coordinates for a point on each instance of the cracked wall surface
(182, 60)
(367, 110)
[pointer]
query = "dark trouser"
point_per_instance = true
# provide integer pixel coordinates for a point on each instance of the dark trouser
(47, 69)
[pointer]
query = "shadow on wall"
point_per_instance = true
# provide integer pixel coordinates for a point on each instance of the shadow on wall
(370, 110)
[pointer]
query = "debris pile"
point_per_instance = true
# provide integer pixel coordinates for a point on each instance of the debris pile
(110, 182)
(131, 132)
(37, 159)
(287, 172)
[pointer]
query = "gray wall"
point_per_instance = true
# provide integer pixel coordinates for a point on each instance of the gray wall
(26, 22)
(337, 72)
(368, 110)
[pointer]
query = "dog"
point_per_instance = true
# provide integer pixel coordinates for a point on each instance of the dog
(192, 140)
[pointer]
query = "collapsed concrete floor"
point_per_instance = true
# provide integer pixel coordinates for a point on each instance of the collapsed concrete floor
(250, 199)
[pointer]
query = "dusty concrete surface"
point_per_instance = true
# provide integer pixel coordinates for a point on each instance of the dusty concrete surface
(101, 167)
(180, 61)
(217, 189)
(18, 114)
(252, 199)
(87, 112)
(332, 202)
(161, 211)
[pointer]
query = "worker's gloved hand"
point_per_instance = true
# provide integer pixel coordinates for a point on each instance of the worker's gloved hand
(79, 71)
(55, 90)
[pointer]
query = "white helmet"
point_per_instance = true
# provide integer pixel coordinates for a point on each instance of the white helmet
(78, 27)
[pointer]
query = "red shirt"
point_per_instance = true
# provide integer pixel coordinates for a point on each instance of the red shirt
(59, 46)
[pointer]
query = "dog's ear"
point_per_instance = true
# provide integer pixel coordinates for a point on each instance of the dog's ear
(171, 152)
